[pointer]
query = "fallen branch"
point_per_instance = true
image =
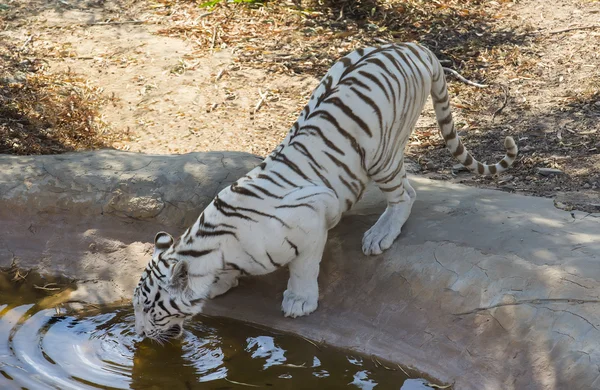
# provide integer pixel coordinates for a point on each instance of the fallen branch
(48, 287)
(499, 110)
(113, 23)
(263, 96)
(591, 27)
(464, 80)
(29, 38)
(220, 74)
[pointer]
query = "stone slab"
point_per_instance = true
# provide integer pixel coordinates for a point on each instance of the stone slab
(483, 289)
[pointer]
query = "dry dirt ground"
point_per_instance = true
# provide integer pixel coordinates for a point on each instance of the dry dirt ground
(174, 77)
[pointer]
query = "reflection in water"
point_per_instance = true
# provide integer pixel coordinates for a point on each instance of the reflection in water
(42, 348)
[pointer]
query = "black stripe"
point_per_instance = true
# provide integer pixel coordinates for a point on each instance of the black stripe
(446, 120)
(279, 175)
(342, 165)
(284, 160)
(302, 149)
(311, 195)
(318, 131)
(392, 175)
(292, 245)
(363, 61)
(337, 102)
(292, 206)
(440, 99)
(459, 150)
(213, 226)
(268, 193)
(195, 253)
(371, 103)
(175, 306)
(346, 62)
(221, 206)
(157, 273)
(273, 261)
(265, 177)
(331, 119)
(327, 83)
(468, 160)
(375, 80)
(344, 182)
(264, 215)
(162, 260)
(353, 81)
(379, 63)
(214, 233)
(237, 268)
(390, 189)
(162, 306)
(256, 261)
(243, 191)
(323, 178)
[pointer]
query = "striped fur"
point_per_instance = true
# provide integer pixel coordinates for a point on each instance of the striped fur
(353, 130)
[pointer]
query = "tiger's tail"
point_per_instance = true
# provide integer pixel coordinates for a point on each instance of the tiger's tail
(443, 113)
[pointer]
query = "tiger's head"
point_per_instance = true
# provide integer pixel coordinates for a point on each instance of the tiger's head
(163, 300)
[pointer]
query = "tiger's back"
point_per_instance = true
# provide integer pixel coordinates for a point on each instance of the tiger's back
(358, 121)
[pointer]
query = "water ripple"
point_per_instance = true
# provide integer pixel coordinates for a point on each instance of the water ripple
(43, 349)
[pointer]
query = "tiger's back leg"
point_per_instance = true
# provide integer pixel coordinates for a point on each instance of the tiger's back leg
(400, 196)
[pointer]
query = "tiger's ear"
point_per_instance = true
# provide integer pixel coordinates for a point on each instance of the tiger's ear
(178, 282)
(162, 242)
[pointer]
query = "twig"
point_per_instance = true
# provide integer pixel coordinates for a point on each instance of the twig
(46, 287)
(402, 369)
(341, 14)
(263, 96)
(311, 342)
(464, 80)
(379, 364)
(220, 74)
(499, 110)
(113, 23)
(591, 27)
(240, 383)
(19, 276)
(29, 38)
(214, 37)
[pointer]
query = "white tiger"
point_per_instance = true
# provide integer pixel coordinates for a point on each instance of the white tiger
(353, 130)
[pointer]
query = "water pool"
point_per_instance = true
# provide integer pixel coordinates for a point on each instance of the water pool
(46, 345)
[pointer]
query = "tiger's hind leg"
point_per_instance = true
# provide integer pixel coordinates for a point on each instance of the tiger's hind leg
(400, 197)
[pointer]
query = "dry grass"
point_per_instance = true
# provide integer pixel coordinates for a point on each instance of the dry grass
(308, 36)
(43, 112)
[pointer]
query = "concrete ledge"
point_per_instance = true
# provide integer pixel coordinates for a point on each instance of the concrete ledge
(170, 190)
(485, 289)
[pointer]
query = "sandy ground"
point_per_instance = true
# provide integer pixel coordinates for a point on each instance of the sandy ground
(175, 90)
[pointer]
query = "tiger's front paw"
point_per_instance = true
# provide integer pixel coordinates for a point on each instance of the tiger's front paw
(296, 305)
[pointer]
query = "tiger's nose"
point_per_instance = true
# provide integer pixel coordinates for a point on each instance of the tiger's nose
(139, 330)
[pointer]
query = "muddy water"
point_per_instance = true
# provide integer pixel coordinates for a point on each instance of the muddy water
(45, 345)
